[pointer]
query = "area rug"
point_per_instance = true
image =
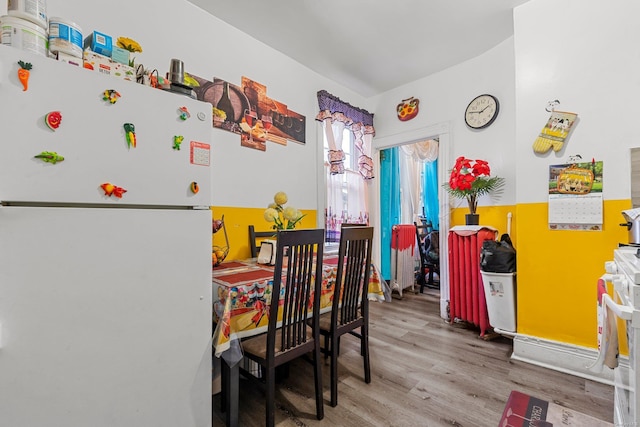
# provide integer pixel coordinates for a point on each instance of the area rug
(523, 410)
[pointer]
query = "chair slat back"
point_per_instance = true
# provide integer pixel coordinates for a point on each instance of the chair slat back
(298, 263)
(427, 238)
(255, 237)
(350, 301)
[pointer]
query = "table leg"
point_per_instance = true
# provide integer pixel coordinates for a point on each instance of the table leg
(230, 392)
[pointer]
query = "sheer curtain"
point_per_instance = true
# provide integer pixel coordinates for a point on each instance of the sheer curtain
(352, 208)
(419, 185)
(347, 192)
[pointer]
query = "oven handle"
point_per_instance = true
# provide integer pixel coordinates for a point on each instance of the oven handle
(622, 311)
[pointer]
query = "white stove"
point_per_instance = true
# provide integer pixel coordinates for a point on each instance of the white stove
(625, 277)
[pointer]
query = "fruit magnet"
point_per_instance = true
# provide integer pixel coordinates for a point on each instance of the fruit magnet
(23, 74)
(53, 119)
(408, 109)
(111, 95)
(195, 187)
(49, 157)
(130, 134)
(112, 190)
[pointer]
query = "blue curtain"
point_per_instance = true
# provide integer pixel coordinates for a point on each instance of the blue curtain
(389, 204)
(430, 194)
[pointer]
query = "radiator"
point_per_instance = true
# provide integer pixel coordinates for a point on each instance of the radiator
(466, 293)
(403, 257)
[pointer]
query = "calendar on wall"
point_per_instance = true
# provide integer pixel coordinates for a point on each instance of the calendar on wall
(575, 196)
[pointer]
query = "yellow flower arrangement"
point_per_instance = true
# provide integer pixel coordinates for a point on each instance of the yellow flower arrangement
(130, 45)
(284, 218)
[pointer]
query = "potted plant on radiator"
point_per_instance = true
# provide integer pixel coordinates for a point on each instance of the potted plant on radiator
(471, 179)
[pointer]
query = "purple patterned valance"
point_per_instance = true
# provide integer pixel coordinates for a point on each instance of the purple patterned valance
(326, 101)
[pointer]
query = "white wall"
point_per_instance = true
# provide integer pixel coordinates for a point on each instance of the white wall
(585, 54)
(443, 99)
(209, 47)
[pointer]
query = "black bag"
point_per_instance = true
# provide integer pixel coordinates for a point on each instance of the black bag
(498, 256)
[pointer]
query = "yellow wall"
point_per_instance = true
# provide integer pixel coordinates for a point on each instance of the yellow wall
(557, 271)
(237, 221)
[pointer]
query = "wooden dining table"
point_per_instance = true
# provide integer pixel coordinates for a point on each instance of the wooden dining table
(242, 297)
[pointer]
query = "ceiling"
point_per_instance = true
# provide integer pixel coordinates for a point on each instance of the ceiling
(372, 46)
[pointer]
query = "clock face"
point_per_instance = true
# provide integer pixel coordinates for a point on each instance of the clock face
(482, 111)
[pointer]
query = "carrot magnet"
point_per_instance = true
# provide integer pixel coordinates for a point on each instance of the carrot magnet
(195, 187)
(177, 140)
(49, 157)
(112, 190)
(23, 74)
(53, 119)
(184, 113)
(111, 95)
(130, 134)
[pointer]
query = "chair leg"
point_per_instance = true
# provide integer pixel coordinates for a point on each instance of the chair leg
(317, 373)
(271, 391)
(365, 348)
(230, 392)
(422, 280)
(334, 371)
(224, 381)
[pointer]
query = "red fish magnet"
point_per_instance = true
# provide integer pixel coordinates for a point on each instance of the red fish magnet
(53, 120)
(113, 190)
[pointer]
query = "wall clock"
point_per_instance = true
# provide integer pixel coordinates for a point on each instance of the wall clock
(481, 111)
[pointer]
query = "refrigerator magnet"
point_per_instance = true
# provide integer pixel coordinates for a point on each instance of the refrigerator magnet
(49, 157)
(111, 95)
(53, 120)
(195, 187)
(130, 134)
(177, 140)
(184, 113)
(112, 190)
(23, 74)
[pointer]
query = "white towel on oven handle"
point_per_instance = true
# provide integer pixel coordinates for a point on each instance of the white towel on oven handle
(607, 311)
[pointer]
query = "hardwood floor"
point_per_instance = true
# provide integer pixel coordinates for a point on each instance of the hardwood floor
(425, 372)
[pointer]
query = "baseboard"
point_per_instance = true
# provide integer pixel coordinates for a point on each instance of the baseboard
(563, 357)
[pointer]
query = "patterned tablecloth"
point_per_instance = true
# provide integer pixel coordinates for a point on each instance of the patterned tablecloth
(242, 295)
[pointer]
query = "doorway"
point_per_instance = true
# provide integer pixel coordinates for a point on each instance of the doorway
(441, 133)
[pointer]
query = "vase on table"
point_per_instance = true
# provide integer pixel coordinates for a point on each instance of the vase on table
(472, 219)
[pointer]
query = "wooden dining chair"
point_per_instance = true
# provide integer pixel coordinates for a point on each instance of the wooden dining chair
(428, 249)
(298, 263)
(350, 310)
(255, 237)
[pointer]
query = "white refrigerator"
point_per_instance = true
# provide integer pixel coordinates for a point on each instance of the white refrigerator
(105, 301)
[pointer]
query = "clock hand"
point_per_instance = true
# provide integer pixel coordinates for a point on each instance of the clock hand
(480, 111)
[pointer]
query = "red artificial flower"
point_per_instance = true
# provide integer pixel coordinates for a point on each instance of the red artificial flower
(470, 179)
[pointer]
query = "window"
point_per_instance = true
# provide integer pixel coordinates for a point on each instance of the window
(346, 192)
